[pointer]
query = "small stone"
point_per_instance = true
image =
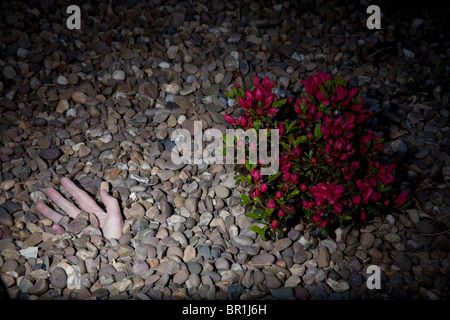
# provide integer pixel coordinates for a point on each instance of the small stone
(58, 278)
(272, 282)
(50, 153)
(402, 260)
(323, 259)
(392, 237)
(338, 286)
(241, 241)
(399, 146)
(189, 253)
(118, 75)
(77, 225)
(366, 239)
(9, 72)
(282, 244)
(221, 191)
(139, 267)
(191, 204)
(79, 97)
(284, 293)
(181, 277)
(62, 80)
(263, 258)
(136, 211)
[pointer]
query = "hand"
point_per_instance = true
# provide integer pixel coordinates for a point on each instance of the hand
(110, 222)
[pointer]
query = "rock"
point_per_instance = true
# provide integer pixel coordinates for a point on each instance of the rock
(442, 242)
(191, 204)
(79, 97)
(323, 260)
(139, 267)
(77, 225)
(366, 239)
(399, 146)
(241, 241)
(136, 211)
(50, 153)
(272, 282)
(58, 278)
(402, 260)
(284, 293)
(263, 258)
(282, 244)
(221, 191)
(340, 286)
(181, 277)
(118, 75)
(9, 72)
(392, 237)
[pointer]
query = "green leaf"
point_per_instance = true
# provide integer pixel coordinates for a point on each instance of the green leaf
(279, 103)
(285, 145)
(274, 176)
(229, 94)
(347, 218)
(302, 139)
(323, 232)
(257, 124)
(253, 215)
(255, 229)
(317, 133)
(293, 194)
(245, 198)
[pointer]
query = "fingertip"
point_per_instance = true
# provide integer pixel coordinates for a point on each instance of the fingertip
(40, 205)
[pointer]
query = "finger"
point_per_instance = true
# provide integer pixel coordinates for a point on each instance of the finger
(63, 203)
(49, 213)
(86, 202)
(111, 204)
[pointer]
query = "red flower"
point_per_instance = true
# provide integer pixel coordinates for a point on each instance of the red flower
(323, 223)
(263, 187)
(271, 204)
(274, 224)
(363, 216)
(278, 194)
(230, 120)
(401, 199)
(256, 175)
(281, 213)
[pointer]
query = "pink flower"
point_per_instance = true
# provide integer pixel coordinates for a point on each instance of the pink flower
(401, 199)
(303, 187)
(272, 111)
(338, 208)
(363, 216)
(256, 175)
(230, 120)
(323, 223)
(271, 204)
(356, 200)
(274, 224)
(281, 213)
(278, 194)
(263, 187)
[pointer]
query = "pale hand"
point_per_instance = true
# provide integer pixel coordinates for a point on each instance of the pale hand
(110, 222)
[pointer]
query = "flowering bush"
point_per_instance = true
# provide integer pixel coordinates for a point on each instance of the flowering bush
(328, 168)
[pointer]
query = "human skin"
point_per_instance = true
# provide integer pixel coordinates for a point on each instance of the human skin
(110, 221)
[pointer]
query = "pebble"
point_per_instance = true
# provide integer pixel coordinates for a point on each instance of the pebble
(58, 278)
